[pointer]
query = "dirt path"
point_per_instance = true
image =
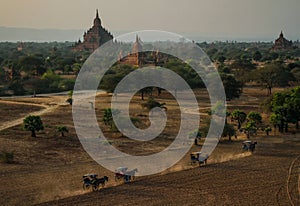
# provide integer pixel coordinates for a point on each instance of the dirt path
(12, 123)
(16, 122)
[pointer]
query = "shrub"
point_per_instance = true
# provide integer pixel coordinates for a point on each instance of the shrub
(62, 130)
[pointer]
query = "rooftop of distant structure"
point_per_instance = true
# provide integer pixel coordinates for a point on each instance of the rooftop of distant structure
(94, 37)
(282, 43)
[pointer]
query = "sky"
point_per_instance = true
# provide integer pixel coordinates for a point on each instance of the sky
(219, 18)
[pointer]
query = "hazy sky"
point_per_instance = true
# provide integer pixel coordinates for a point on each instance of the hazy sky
(238, 18)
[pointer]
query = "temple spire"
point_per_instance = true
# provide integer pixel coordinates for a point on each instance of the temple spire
(97, 21)
(97, 14)
(281, 34)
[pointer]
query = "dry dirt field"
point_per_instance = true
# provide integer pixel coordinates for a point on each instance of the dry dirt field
(11, 110)
(48, 169)
(260, 179)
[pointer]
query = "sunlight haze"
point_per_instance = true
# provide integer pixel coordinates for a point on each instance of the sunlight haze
(228, 18)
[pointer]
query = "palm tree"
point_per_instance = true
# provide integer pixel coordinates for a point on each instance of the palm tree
(33, 124)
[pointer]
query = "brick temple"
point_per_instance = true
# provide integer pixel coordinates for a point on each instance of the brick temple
(282, 43)
(138, 58)
(94, 37)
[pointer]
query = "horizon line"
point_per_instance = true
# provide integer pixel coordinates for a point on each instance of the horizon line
(192, 35)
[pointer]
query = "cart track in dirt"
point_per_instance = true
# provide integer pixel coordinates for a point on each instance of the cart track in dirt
(45, 108)
(12, 123)
(288, 188)
(277, 195)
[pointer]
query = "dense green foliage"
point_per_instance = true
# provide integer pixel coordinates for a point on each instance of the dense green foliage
(239, 116)
(256, 63)
(33, 123)
(285, 107)
(38, 67)
(228, 131)
(52, 67)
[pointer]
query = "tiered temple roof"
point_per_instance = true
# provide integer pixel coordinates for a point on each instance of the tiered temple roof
(94, 37)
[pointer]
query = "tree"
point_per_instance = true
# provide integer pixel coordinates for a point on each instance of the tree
(228, 131)
(257, 56)
(221, 59)
(279, 106)
(242, 65)
(296, 73)
(285, 107)
(62, 130)
(250, 128)
(239, 116)
(255, 116)
(253, 120)
(233, 87)
(273, 75)
(268, 130)
(114, 75)
(108, 116)
(32, 64)
(197, 134)
(17, 87)
(33, 123)
(50, 81)
(219, 109)
(278, 121)
(293, 106)
(76, 68)
(146, 90)
(108, 119)
(70, 99)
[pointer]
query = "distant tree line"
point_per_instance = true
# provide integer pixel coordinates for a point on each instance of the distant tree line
(39, 67)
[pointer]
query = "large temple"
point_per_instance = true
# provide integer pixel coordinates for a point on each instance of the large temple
(94, 37)
(282, 43)
(97, 36)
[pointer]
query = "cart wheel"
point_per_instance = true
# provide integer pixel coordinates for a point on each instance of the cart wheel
(95, 187)
(85, 186)
(193, 162)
